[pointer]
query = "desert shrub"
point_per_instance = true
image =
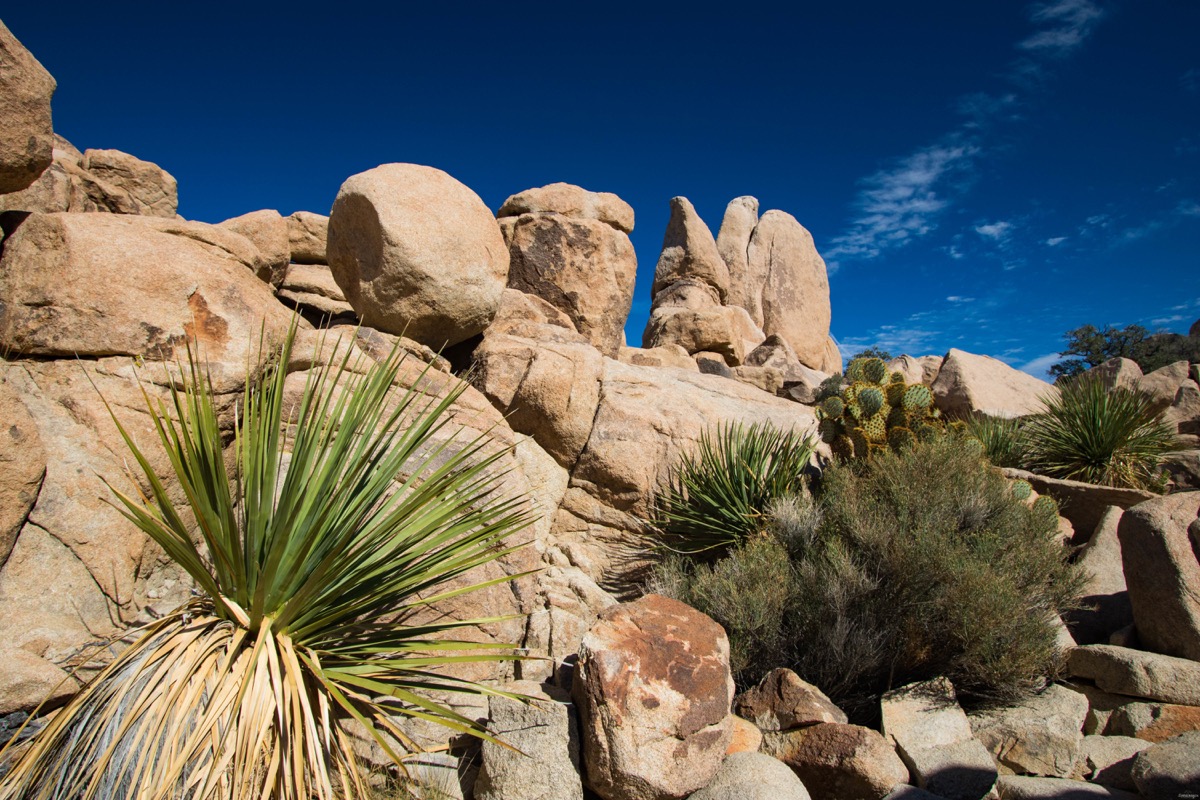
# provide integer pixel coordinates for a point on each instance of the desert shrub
(913, 564)
(926, 556)
(749, 592)
(716, 497)
(1003, 438)
(312, 579)
(1091, 433)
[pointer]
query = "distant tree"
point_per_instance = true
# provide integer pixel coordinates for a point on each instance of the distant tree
(874, 352)
(1088, 347)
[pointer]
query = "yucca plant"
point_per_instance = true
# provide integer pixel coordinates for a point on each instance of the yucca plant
(717, 497)
(1091, 433)
(341, 518)
(1003, 438)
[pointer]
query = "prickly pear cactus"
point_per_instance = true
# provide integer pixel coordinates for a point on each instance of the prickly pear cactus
(876, 409)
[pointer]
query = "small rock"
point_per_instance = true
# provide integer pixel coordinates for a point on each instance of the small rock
(1107, 760)
(833, 759)
(1039, 736)
(747, 738)
(571, 201)
(753, 776)
(668, 355)
(783, 701)
(1023, 787)
(1169, 770)
(308, 235)
(267, 231)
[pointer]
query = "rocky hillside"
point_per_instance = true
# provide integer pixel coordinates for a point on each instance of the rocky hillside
(102, 284)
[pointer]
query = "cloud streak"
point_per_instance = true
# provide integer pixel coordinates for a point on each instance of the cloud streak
(902, 202)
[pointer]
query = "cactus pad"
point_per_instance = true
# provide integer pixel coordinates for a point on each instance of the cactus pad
(918, 396)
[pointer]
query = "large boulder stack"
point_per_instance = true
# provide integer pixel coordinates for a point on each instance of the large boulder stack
(26, 134)
(417, 253)
(571, 247)
(759, 278)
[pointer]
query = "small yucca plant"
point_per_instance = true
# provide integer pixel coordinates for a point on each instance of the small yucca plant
(1112, 437)
(310, 556)
(717, 497)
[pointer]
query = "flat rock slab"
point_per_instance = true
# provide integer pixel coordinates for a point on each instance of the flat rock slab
(1137, 673)
(933, 736)
(1108, 761)
(1023, 787)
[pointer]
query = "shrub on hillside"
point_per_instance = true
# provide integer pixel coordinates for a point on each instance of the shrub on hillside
(1091, 433)
(915, 564)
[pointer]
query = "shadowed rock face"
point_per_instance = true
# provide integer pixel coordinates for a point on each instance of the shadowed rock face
(26, 134)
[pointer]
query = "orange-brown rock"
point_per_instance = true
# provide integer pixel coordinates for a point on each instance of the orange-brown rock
(1153, 722)
(783, 700)
(833, 759)
(653, 688)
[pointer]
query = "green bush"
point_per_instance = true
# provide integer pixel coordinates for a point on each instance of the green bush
(913, 565)
(1112, 437)
(717, 496)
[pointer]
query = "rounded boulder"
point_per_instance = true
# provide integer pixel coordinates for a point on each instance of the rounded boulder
(417, 253)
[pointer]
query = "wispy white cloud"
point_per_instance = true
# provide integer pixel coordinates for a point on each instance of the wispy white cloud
(1188, 208)
(1040, 366)
(1064, 26)
(1167, 320)
(996, 231)
(901, 203)
(1190, 80)
(1055, 241)
(956, 299)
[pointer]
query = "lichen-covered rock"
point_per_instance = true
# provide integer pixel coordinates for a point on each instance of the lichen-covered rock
(653, 689)
(417, 253)
(1153, 722)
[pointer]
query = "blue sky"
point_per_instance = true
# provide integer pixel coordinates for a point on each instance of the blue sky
(983, 175)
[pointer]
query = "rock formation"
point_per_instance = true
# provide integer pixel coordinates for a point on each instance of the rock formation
(26, 135)
(417, 253)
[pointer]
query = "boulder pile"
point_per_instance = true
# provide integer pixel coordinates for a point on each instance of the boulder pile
(632, 697)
